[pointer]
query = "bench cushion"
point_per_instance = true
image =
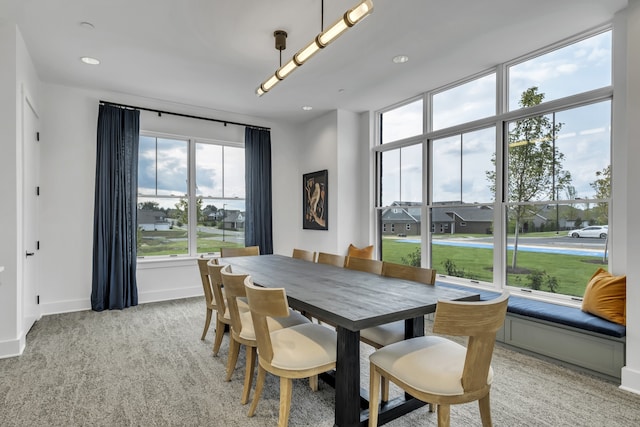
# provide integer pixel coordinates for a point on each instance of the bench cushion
(569, 316)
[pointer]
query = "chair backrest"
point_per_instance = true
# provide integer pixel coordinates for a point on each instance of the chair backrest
(361, 264)
(304, 255)
(480, 321)
(246, 251)
(234, 289)
(216, 284)
(206, 282)
(265, 302)
(409, 272)
(331, 259)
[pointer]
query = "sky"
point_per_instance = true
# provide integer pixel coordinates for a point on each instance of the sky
(460, 163)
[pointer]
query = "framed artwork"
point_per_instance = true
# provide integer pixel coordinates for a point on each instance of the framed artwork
(314, 200)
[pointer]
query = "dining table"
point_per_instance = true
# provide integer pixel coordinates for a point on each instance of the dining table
(351, 301)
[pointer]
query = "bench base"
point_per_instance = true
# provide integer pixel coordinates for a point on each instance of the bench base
(598, 353)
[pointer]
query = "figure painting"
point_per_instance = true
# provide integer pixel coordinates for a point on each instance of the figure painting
(314, 200)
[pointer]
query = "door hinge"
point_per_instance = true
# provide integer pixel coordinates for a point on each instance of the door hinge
(38, 299)
(37, 190)
(38, 245)
(37, 136)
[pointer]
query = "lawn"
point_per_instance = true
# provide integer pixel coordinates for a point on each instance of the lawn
(571, 272)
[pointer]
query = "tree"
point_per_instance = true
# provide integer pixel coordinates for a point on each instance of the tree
(150, 206)
(534, 163)
(181, 213)
(602, 187)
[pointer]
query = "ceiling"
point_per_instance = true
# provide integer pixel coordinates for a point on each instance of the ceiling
(214, 53)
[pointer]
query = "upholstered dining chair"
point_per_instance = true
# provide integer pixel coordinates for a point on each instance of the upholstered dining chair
(389, 333)
(331, 259)
(362, 264)
(223, 317)
(246, 251)
(301, 351)
(437, 370)
(304, 255)
(242, 330)
(209, 300)
(379, 336)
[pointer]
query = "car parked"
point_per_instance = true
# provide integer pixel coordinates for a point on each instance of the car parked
(599, 231)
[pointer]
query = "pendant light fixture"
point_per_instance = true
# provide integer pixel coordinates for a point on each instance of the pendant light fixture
(350, 18)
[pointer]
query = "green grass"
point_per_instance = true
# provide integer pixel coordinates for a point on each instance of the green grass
(175, 242)
(571, 272)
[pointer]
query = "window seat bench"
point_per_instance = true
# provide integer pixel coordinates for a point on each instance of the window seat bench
(566, 334)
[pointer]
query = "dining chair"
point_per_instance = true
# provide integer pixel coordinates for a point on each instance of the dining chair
(209, 300)
(301, 351)
(242, 329)
(362, 264)
(389, 333)
(223, 317)
(246, 251)
(304, 255)
(331, 259)
(438, 370)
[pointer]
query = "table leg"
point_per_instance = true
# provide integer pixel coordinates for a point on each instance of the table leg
(347, 404)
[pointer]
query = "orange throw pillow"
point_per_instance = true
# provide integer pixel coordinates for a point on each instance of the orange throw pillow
(366, 253)
(606, 297)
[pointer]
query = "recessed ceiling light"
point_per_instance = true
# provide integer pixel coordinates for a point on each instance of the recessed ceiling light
(400, 59)
(307, 108)
(87, 25)
(89, 60)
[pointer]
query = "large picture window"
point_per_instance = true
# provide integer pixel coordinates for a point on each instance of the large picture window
(516, 193)
(191, 196)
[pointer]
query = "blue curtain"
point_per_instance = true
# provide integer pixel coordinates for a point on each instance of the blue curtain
(115, 226)
(258, 229)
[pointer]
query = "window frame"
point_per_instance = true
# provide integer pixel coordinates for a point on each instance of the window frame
(191, 196)
(500, 121)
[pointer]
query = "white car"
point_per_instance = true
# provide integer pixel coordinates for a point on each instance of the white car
(599, 231)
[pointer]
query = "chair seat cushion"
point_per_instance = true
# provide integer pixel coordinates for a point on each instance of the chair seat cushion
(430, 364)
(304, 346)
(384, 334)
(273, 323)
(243, 307)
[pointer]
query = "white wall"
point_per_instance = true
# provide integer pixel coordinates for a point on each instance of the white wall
(631, 372)
(17, 78)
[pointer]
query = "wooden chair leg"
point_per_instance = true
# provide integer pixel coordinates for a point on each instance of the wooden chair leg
(485, 411)
(443, 415)
(374, 393)
(313, 383)
(432, 407)
(286, 386)
(206, 324)
(251, 353)
(234, 350)
(219, 334)
(256, 394)
(384, 385)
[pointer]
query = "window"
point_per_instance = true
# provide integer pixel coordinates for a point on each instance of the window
(402, 122)
(464, 103)
(538, 179)
(179, 215)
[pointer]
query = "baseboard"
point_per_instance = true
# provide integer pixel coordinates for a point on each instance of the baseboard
(630, 380)
(12, 348)
(68, 306)
(169, 294)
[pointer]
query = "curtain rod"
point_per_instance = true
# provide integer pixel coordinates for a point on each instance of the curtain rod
(160, 112)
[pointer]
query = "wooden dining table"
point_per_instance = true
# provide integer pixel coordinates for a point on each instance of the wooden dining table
(351, 300)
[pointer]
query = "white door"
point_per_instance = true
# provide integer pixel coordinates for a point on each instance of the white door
(31, 155)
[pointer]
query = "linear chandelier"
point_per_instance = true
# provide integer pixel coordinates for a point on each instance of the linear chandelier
(350, 18)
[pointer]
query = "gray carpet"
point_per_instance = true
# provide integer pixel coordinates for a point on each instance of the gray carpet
(146, 366)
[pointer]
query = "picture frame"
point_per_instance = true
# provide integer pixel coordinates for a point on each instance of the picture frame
(315, 193)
